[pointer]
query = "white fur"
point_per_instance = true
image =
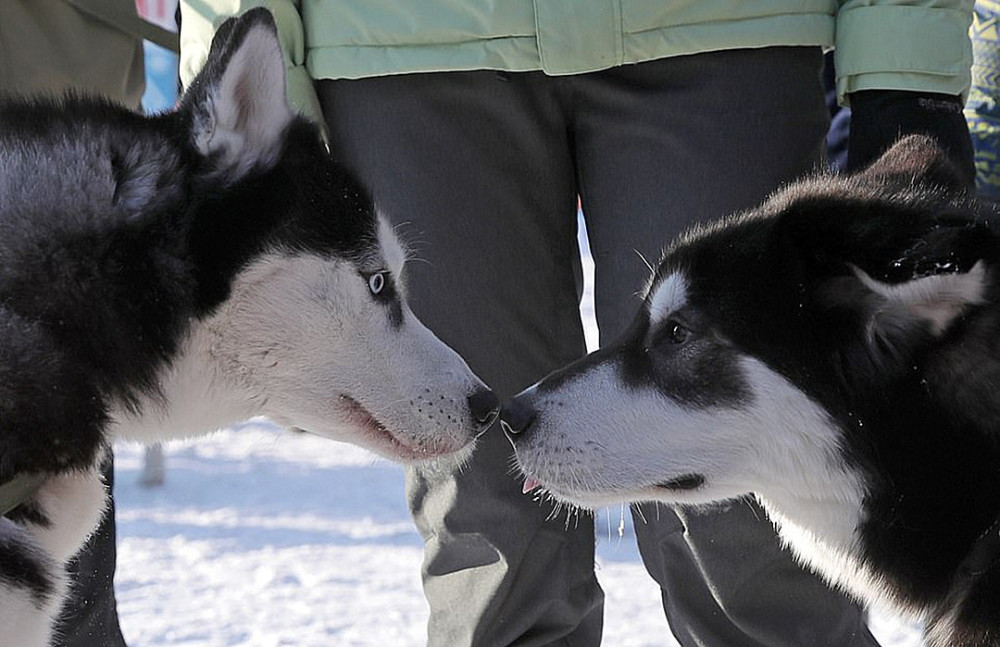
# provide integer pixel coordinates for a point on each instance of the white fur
(247, 110)
(669, 296)
(23, 622)
(73, 504)
(936, 299)
(616, 443)
(25, 625)
(782, 444)
(298, 335)
(299, 332)
(393, 251)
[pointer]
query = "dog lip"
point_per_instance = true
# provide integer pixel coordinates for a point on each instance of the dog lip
(686, 482)
(360, 416)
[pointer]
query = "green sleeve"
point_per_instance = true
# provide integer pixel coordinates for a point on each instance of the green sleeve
(891, 45)
(201, 18)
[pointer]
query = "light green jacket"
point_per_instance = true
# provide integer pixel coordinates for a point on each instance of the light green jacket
(880, 44)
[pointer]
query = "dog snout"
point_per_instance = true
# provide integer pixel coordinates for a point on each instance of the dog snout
(484, 406)
(516, 416)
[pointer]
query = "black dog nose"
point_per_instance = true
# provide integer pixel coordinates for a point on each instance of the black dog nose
(484, 406)
(516, 416)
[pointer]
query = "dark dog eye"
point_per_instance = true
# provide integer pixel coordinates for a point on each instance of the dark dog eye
(376, 282)
(676, 333)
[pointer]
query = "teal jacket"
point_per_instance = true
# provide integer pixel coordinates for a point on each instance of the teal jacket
(880, 44)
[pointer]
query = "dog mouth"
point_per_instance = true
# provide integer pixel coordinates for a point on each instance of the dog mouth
(682, 483)
(687, 482)
(530, 483)
(384, 440)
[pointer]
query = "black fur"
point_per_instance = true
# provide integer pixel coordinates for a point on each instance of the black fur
(114, 234)
(820, 285)
(698, 373)
(24, 567)
(921, 412)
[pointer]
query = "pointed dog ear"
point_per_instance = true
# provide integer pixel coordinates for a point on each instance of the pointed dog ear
(237, 102)
(915, 159)
(894, 314)
(888, 256)
(909, 279)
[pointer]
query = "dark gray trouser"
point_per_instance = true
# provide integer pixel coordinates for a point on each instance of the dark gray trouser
(482, 170)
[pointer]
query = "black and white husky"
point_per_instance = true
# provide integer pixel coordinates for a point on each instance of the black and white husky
(170, 275)
(835, 352)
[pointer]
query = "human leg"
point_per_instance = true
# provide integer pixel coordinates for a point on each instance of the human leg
(662, 146)
(474, 168)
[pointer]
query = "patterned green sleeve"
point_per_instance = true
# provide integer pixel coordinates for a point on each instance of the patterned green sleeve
(982, 110)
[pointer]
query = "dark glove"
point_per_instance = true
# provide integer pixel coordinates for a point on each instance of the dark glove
(880, 117)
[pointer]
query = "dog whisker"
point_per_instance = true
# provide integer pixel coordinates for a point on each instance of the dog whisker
(638, 510)
(649, 266)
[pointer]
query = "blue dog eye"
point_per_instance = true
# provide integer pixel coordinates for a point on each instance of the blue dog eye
(376, 282)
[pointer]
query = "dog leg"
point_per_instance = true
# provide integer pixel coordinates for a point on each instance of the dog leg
(32, 587)
(70, 507)
(35, 543)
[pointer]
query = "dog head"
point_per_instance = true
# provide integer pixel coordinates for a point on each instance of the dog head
(301, 307)
(782, 351)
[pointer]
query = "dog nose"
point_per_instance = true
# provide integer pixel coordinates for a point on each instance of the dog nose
(516, 416)
(484, 406)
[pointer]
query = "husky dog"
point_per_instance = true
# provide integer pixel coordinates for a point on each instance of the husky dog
(835, 352)
(170, 275)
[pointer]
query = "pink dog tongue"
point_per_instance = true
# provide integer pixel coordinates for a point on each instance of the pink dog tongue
(529, 485)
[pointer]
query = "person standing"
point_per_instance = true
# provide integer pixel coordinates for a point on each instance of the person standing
(478, 124)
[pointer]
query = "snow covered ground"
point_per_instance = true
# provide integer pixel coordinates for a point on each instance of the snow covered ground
(263, 538)
(267, 538)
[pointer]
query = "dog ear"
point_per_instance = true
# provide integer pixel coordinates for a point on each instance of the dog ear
(894, 323)
(903, 275)
(894, 312)
(915, 159)
(237, 102)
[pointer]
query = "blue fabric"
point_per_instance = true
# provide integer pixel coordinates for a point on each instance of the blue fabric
(982, 110)
(840, 119)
